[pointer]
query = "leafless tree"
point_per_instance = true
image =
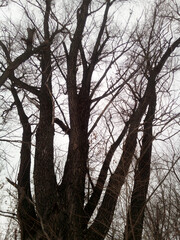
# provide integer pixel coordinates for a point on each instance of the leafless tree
(77, 76)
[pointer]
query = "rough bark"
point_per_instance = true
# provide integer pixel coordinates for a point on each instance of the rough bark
(134, 226)
(26, 212)
(60, 211)
(73, 183)
(44, 176)
(102, 222)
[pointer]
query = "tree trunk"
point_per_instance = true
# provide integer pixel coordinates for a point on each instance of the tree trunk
(134, 226)
(26, 212)
(101, 225)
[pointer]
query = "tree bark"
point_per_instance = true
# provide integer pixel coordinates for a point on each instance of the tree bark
(26, 212)
(59, 211)
(44, 176)
(101, 225)
(135, 217)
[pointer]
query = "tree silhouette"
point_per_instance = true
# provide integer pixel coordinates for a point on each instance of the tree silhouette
(80, 72)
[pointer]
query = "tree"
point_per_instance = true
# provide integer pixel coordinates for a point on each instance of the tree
(82, 72)
(162, 209)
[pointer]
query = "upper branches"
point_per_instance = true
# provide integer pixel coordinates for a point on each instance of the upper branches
(29, 52)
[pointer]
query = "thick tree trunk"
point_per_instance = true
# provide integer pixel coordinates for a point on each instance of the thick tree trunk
(26, 212)
(134, 226)
(44, 176)
(58, 212)
(73, 183)
(101, 225)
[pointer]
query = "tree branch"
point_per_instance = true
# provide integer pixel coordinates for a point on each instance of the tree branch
(97, 191)
(23, 85)
(104, 217)
(19, 60)
(164, 58)
(65, 128)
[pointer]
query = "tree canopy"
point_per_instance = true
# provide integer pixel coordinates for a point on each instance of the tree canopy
(89, 96)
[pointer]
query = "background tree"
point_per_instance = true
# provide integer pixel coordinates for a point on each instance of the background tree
(76, 67)
(163, 208)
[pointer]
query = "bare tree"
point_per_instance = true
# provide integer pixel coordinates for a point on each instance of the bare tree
(162, 220)
(87, 74)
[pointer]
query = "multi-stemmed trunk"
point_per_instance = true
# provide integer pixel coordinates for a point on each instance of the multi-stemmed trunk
(60, 211)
